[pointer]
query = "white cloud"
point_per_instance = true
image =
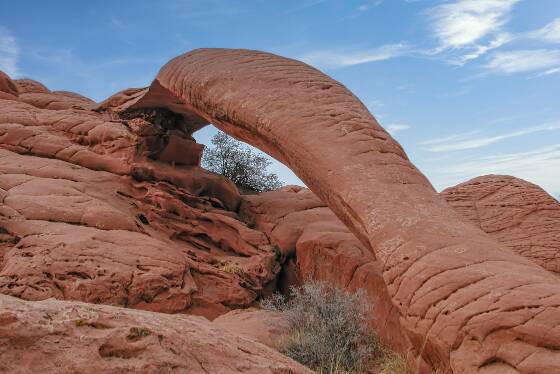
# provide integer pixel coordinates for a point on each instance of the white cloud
(550, 71)
(522, 61)
(396, 127)
(9, 52)
(549, 33)
(454, 137)
(470, 27)
(331, 59)
(479, 50)
(453, 144)
(464, 22)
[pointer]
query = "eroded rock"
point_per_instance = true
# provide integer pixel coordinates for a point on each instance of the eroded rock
(450, 283)
(515, 212)
(114, 209)
(52, 336)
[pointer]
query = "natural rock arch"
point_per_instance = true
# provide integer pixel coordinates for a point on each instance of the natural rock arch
(467, 303)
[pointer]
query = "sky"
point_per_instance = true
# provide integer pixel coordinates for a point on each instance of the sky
(467, 87)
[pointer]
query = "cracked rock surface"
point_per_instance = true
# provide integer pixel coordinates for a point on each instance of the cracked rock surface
(53, 336)
(321, 248)
(113, 209)
(513, 211)
(467, 302)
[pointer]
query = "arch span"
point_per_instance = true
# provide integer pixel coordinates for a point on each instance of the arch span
(466, 302)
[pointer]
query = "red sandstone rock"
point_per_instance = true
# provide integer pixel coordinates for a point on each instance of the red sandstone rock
(465, 302)
(8, 89)
(53, 336)
(30, 86)
(7, 85)
(450, 283)
(113, 209)
(515, 212)
(303, 227)
(260, 325)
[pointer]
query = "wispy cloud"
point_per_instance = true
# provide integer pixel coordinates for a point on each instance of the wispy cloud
(522, 61)
(534, 166)
(9, 52)
(465, 25)
(549, 33)
(332, 59)
(463, 142)
(480, 49)
(396, 127)
(450, 138)
(304, 4)
(369, 5)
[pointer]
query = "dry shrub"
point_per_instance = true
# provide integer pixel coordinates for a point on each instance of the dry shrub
(328, 328)
(390, 362)
(232, 268)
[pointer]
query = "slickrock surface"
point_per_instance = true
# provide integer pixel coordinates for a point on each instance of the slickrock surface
(113, 209)
(515, 212)
(260, 325)
(52, 336)
(306, 230)
(466, 302)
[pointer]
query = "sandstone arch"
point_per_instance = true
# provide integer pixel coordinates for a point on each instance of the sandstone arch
(467, 303)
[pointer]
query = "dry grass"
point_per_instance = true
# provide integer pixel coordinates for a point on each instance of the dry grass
(390, 362)
(232, 268)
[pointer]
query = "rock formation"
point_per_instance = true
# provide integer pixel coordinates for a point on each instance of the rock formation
(112, 209)
(319, 247)
(464, 302)
(263, 326)
(451, 284)
(53, 336)
(515, 212)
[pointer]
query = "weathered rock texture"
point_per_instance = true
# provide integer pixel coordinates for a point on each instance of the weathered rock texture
(113, 209)
(515, 212)
(465, 301)
(54, 336)
(321, 248)
(260, 325)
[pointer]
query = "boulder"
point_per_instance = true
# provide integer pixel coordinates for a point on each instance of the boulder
(517, 213)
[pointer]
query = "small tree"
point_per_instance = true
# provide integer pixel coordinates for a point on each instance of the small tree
(236, 161)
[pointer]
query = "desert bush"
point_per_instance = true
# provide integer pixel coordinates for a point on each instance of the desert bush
(232, 268)
(390, 362)
(328, 330)
(236, 161)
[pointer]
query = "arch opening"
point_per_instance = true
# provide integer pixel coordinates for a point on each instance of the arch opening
(435, 265)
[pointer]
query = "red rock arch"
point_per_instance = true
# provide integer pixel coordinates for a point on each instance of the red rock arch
(467, 303)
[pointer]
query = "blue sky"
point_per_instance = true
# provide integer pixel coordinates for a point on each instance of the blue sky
(468, 87)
